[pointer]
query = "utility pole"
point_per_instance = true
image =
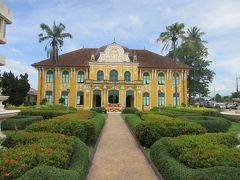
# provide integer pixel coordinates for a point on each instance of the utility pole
(237, 78)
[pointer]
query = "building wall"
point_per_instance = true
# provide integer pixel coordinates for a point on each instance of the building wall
(136, 86)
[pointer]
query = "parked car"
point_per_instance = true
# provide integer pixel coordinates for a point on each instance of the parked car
(232, 106)
(220, 105)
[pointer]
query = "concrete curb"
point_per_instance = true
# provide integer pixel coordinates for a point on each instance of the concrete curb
(160, 177)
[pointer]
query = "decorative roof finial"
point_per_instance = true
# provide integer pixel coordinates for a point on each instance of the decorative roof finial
(114, 40)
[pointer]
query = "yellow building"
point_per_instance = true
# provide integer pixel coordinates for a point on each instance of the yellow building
(113, 74)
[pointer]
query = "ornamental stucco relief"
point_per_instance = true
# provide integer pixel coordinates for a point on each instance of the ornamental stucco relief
(113, 53)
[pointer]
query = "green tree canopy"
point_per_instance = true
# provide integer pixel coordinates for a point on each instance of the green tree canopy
(15, 87)
(194, 53)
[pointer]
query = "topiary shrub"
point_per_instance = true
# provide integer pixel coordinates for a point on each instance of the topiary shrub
(129, 110)
(76, 171)
(28, 150)
(83, 129)
(132, 120)
(172, 169)
(20, 122)
(149, 131)
(99, 110)
(212, 124)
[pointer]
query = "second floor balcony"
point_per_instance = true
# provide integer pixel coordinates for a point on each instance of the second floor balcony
(119, 82)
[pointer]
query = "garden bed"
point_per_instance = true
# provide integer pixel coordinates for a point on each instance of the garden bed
(208, 156)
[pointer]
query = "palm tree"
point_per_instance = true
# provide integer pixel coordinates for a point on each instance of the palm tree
(55, 37)
(172, 34)
(194, 41)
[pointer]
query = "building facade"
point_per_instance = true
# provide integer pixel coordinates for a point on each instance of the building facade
(112, 74)
(5, 18)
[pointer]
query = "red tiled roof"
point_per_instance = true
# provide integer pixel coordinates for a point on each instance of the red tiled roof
(82, 57)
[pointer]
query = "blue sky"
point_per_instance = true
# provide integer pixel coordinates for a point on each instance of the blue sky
(134, 23)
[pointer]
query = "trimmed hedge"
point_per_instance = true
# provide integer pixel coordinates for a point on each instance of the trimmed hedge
(76, 171)
(99, 110)
(28, 150)
(151, 130)
(129, 110)
(132, 120)
(73, 125)
(20, 122)
(187, 110)
(212, 124)
(99, 121)
(46, 112)
(211, 150)
(83, 129)
(172, 169)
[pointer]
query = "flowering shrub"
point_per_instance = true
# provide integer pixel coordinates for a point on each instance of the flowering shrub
(208, 150)
(28, 150)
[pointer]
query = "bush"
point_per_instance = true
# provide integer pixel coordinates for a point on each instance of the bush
(73, 125)
(129, 110)
(132, 120)
(99, 121)
(172, 169)
(44, 172)
(76, 171)
(149, 131)
(20, 122)
(83, 129)
(211, 150)
(99, 110)
(46, 112)
(28, 150)
(212, 124)
(191, 110)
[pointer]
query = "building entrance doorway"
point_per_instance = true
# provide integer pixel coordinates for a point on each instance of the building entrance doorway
(97, 100)
(129, 99)
(113, 96)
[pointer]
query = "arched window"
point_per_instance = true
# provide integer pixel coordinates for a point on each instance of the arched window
(161, 78)
(80, 77)
(161, 99)
(127, 76)
(64, 95)
(113, 76)
(175, 75)
(65, 77)
(80, 98)
(49, 76)
(146, 78)
(146, 99)
(49, 97)
(176, 99)
(100, 76)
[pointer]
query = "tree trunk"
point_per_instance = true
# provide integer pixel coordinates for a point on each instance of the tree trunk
(54, 59)
(175, 71)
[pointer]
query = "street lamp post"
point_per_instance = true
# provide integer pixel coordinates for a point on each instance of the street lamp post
(237, 78)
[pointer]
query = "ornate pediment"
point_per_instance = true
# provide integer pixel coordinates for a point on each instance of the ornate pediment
(113, 53)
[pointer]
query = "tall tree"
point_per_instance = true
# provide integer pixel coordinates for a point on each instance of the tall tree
(172, 35)
(15, 87)
(193, 52)
(55, 37)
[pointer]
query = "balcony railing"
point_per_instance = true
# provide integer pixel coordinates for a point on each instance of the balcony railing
(120, 82)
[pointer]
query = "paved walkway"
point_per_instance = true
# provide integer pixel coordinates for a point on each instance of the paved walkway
(118, 156)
